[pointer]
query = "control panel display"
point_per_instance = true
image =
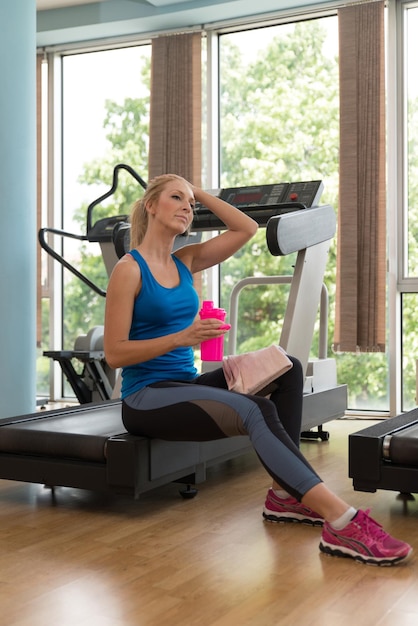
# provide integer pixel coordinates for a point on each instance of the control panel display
(260, 195)
(261, 202)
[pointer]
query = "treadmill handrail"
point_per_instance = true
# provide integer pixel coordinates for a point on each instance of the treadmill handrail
(112, 190)
(55, 255)
(58, 257)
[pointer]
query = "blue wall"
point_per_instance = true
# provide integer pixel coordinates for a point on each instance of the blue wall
(17, 207)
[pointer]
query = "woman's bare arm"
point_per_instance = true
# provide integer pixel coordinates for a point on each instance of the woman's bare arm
(240, 228)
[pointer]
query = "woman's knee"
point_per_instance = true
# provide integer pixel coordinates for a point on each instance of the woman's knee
(267, 407)
(293, 377)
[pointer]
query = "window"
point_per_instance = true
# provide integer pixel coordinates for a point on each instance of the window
(279, 122)
(409, 271)
(105, 114)
(411, 107)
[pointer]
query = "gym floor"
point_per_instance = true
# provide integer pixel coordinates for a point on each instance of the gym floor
(77, 557)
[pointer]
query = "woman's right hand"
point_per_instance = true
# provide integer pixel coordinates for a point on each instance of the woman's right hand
(201, 330)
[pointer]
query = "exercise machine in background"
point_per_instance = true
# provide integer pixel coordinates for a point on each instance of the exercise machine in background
(97, 380)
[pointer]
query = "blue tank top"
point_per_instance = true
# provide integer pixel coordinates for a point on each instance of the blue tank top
(161, 311)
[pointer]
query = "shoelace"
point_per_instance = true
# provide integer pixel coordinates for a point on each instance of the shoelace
(372, 527)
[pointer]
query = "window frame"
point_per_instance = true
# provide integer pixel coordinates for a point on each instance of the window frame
(398, 281)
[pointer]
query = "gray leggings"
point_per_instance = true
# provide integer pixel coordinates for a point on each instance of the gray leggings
(204, 410)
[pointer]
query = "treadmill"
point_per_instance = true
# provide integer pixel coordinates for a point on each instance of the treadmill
(87, 447)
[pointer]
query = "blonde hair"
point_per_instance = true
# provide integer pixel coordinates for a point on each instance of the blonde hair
(139, 214)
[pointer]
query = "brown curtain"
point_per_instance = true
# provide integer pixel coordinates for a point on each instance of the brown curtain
(361, 261)
(176, 107)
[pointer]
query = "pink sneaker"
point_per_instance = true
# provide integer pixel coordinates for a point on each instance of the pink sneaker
(289, 510)
(364, 540)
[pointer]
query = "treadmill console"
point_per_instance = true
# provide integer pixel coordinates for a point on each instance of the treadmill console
(261, 202)
(102, 230)
(254, 196)
(308, 193)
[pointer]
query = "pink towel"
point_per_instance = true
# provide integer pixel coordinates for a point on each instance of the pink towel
(252, 371)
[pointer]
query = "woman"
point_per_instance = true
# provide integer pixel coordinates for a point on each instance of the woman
(151, 326)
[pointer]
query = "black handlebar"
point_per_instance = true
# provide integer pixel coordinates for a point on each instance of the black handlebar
(120, 166)
(55, 231)
(41, 237)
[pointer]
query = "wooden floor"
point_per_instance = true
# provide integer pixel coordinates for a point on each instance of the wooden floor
(83, 559)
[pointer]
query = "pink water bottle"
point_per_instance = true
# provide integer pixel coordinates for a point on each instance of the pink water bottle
(212, 349)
